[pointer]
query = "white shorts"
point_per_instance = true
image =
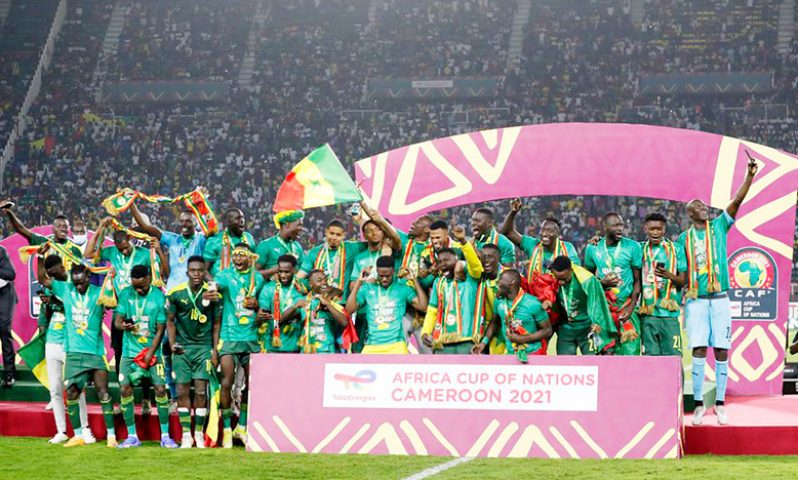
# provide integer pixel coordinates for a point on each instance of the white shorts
(708, 322)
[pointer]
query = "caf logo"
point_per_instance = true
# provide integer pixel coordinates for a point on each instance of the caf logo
(752, 267)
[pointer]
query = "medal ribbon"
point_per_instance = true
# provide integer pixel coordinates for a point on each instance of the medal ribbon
(81, 299)
(286, 247)
(309, 338)
(692, 264)
(155, 272)
(276, 309)
(323, 262)
(444, 299)
(567, 297)
(196, 310)
(650, 258)
(227, 249)
(410, 251)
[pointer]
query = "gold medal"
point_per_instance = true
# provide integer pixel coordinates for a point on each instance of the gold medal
(243, 321)
(202, 319)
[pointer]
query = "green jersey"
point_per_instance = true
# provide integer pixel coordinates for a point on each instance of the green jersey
(123, 264)
(319, 327)
(695, 247)
(276, 293)
(55, 324)
(272, 248)
(193, 318)
(456, 302)
(84, 325)
(146, 312)
(528, 313)
(219, 249)
(506, 247)
(413, 253)
(239, 324)
(337, 264)
(364, 259)
(539, 258)
(574, 301)
(384, 310)
(620, 259)
(654, 287)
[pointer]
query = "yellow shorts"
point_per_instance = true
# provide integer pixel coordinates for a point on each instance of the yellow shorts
(390, 348)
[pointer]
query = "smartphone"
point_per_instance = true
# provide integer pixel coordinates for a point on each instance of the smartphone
(129, 321)
(660, 265)
(751, 160)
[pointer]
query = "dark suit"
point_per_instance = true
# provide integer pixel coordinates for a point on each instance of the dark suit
(8, 300)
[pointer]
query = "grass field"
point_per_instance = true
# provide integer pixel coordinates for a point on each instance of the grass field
(34, 458)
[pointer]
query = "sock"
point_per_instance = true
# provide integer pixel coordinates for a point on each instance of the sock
(185, 420)
(199, 419)
(108, 416)
(163, 415)
(242, 416)
(73, 409)
(721, 378)
(698, 380)
(128, 414)
(226, 414)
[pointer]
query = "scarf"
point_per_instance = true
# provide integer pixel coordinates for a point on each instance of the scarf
(107, 296)
(196, 201)
(441, 334)
(276, 313)
(157, 281)
(492, 237)
(409, 251)
(649, 259)
(536, 259)
(322, 262)
(307, 342)
(692, 264)
(227, 249)
(517, 327)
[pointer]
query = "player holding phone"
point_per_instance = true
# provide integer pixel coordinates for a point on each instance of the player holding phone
(664, 267)
(707, 309)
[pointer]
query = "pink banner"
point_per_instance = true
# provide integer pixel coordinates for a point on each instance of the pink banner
(625, 160)
(24, 325)
(463, 405)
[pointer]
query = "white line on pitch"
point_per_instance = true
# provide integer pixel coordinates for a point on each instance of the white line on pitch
(439, 468)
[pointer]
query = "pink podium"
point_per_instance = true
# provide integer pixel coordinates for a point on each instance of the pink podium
(475, 406)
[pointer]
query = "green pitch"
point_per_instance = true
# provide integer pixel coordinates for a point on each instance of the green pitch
(34, 458)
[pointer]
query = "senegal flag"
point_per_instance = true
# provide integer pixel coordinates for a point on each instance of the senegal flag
(214, 415)
(317, 181)
(32, 353)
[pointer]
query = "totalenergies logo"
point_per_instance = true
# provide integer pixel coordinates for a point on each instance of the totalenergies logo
(358, 381)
